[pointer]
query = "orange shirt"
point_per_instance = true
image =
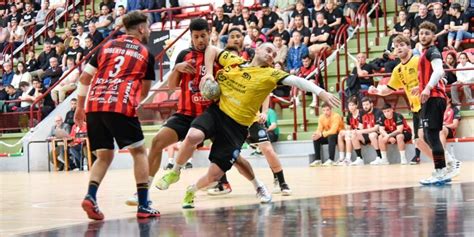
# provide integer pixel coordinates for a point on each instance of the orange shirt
(330, 125)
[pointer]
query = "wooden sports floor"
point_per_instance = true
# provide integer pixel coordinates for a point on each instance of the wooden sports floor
(326, 201)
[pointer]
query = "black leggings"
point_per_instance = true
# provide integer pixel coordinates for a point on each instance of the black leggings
(431, 137)
(331, 140)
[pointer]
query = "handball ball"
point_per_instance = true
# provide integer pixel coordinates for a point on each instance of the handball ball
(210, 90)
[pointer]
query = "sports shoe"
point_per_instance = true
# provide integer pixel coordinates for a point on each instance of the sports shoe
(415, 160)
(453, 168)
(168, 179)
(403, 161)
(438, 177)
(263, 195)
(89, 205)
(133, 201)
(357, 162)
(256, 153)
(188, 201)
(315, 163)
(276, 186)
(285, 190)
(379, 161)
(329, 162)
(147, 212)
(169, 166)
(219, 189)
(188, 165)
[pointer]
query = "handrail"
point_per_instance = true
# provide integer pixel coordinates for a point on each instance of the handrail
(8, 50)
(170, 13)
(362, 15)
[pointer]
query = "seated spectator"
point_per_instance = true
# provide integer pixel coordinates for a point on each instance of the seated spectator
(333, 15)
(28, 16)
(393, 129)
(268, 20)
(32, 63)
(67, 38)
(7, 76)
(296, 53)
(228, 8)
(367, 131)
(89, 18)
(68, 82)
(398, 29)
(89, 46)
(81, 35)
(95, 35)
(441, 21)
(26, 100)
(282, 49)
(104, 23)
(17, 33)
(450, 62)
(13, 15)
(52, 74)
(255, 36)
(344, 139)
(329, 125)
(52, 38)
(284, 8)
(282, 32)
(421, 17)
(220, 24)
(76, 21)
(4, 37)
(281, 90)
(109, 3)
(249, 18)
(78, 132)
(318, 8)
(41, 15)
(118, 24)
(60, 130)
(352, 6)
(60, 50)
(75, 52)
(12, 94)
(451, 119)
(458, 26)
(465, 79)
(301, 10)
(360, 72)
(307, 68)
(69, 118)
(20, 75)
(214, 39)
(304, 31)
(237, 20)
(57, 5)
(320, 37)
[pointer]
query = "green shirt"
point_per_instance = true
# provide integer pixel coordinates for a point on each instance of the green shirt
(283, 4)
(272, 118)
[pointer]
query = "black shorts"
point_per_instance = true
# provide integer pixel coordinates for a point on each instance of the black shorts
(229, 136)
(366, 140)
(257, 133)
(407, 136)
(432, 112)
(180, 123)
(450, 133)
(416, 124)
(104, 127)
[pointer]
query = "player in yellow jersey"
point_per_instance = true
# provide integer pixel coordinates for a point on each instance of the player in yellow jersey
(243, 90)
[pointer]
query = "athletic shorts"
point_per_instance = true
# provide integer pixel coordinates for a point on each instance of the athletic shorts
(257, 133)
(180, 123)
(407, 136)
(450, 133)
(105, 127)
(432, 112)
(227, 133)
(416, 124)
(366, 140)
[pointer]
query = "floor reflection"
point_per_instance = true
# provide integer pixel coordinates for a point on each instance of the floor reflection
(420, 211)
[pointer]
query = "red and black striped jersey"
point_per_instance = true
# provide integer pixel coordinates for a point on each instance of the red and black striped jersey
(425, 70)
(390, 125)
(450, 114)
(121, 66)
(353, 121)
(369, 120)
(190, 101)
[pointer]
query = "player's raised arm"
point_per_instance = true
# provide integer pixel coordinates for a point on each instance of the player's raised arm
(210, 57)
(306, 85)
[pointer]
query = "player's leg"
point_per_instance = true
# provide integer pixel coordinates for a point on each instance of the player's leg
(341, 146)
(416, 125)
(348, 144)
(356, 143)
(401, 140)
(374, 141)
(382, 144)
(275, 165)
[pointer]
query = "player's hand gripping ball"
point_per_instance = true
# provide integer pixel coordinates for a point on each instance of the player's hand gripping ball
(210, 90)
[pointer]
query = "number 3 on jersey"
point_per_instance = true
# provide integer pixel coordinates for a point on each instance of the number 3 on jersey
(118, 63)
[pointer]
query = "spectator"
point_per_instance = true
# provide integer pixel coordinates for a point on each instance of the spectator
(304, 31)
(36, 92)
(90, 18)
(20, 75)
(318, 8)
(78, 132)
(398, 29)
(421, 17)
(459, 26)
(307, 68)
(41, 15)
(14, 15)
(329, 125)
(214, 39)
(28, 16)
(237, 20)
(52, 74)
(282, 90)
(66, 38)
(352, 6)
(60, 130)
(68, 82)
(75, 52)
(441, 21)
(104, 23)
(301, 10)
(8, 74)
(393, 129)
(57, 6)
(363, 69)
(333, 15)
(451, 119)
(268, 20)
(296, 53)
(450, 62)
(109, 3)
(255, 36)
(60, 50)
(320, 36)
(69, 118)
(12, 94)
(284, 8)
(273, 130)
(118, 19)
(24, 97)
(367, 131)
(17, 33)
(53, 38)
(282, 32)
(81, 35)
(282, 49)
(220, 25)
(465, 79)
(344, 139)
(228, 8)
(43, 59)
(96, 36)
(76, 21)
(89, 47)
(249, 18)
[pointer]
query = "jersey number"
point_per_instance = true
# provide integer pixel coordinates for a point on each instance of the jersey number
(118, 63)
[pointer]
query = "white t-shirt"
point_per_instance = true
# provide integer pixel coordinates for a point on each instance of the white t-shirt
(467, 75)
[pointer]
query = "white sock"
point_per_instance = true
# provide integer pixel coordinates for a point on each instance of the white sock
(348, 156)
(256, 183)
(314, 98)
(190, 160)
(448, 156)
(170, 160)
(384, 155)
(177, 168)
(341, 155)
(402, 155)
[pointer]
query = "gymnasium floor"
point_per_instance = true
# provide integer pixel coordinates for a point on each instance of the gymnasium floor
(326, 201)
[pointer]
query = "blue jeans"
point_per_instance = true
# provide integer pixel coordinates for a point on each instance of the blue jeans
(76, 155)
(460, 35)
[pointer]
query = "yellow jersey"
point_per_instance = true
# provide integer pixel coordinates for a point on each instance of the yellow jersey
(243, 89)
(406, 76)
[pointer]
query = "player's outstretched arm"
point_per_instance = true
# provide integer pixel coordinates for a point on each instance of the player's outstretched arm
(306, 85)
(381, 90)
(210, 56)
